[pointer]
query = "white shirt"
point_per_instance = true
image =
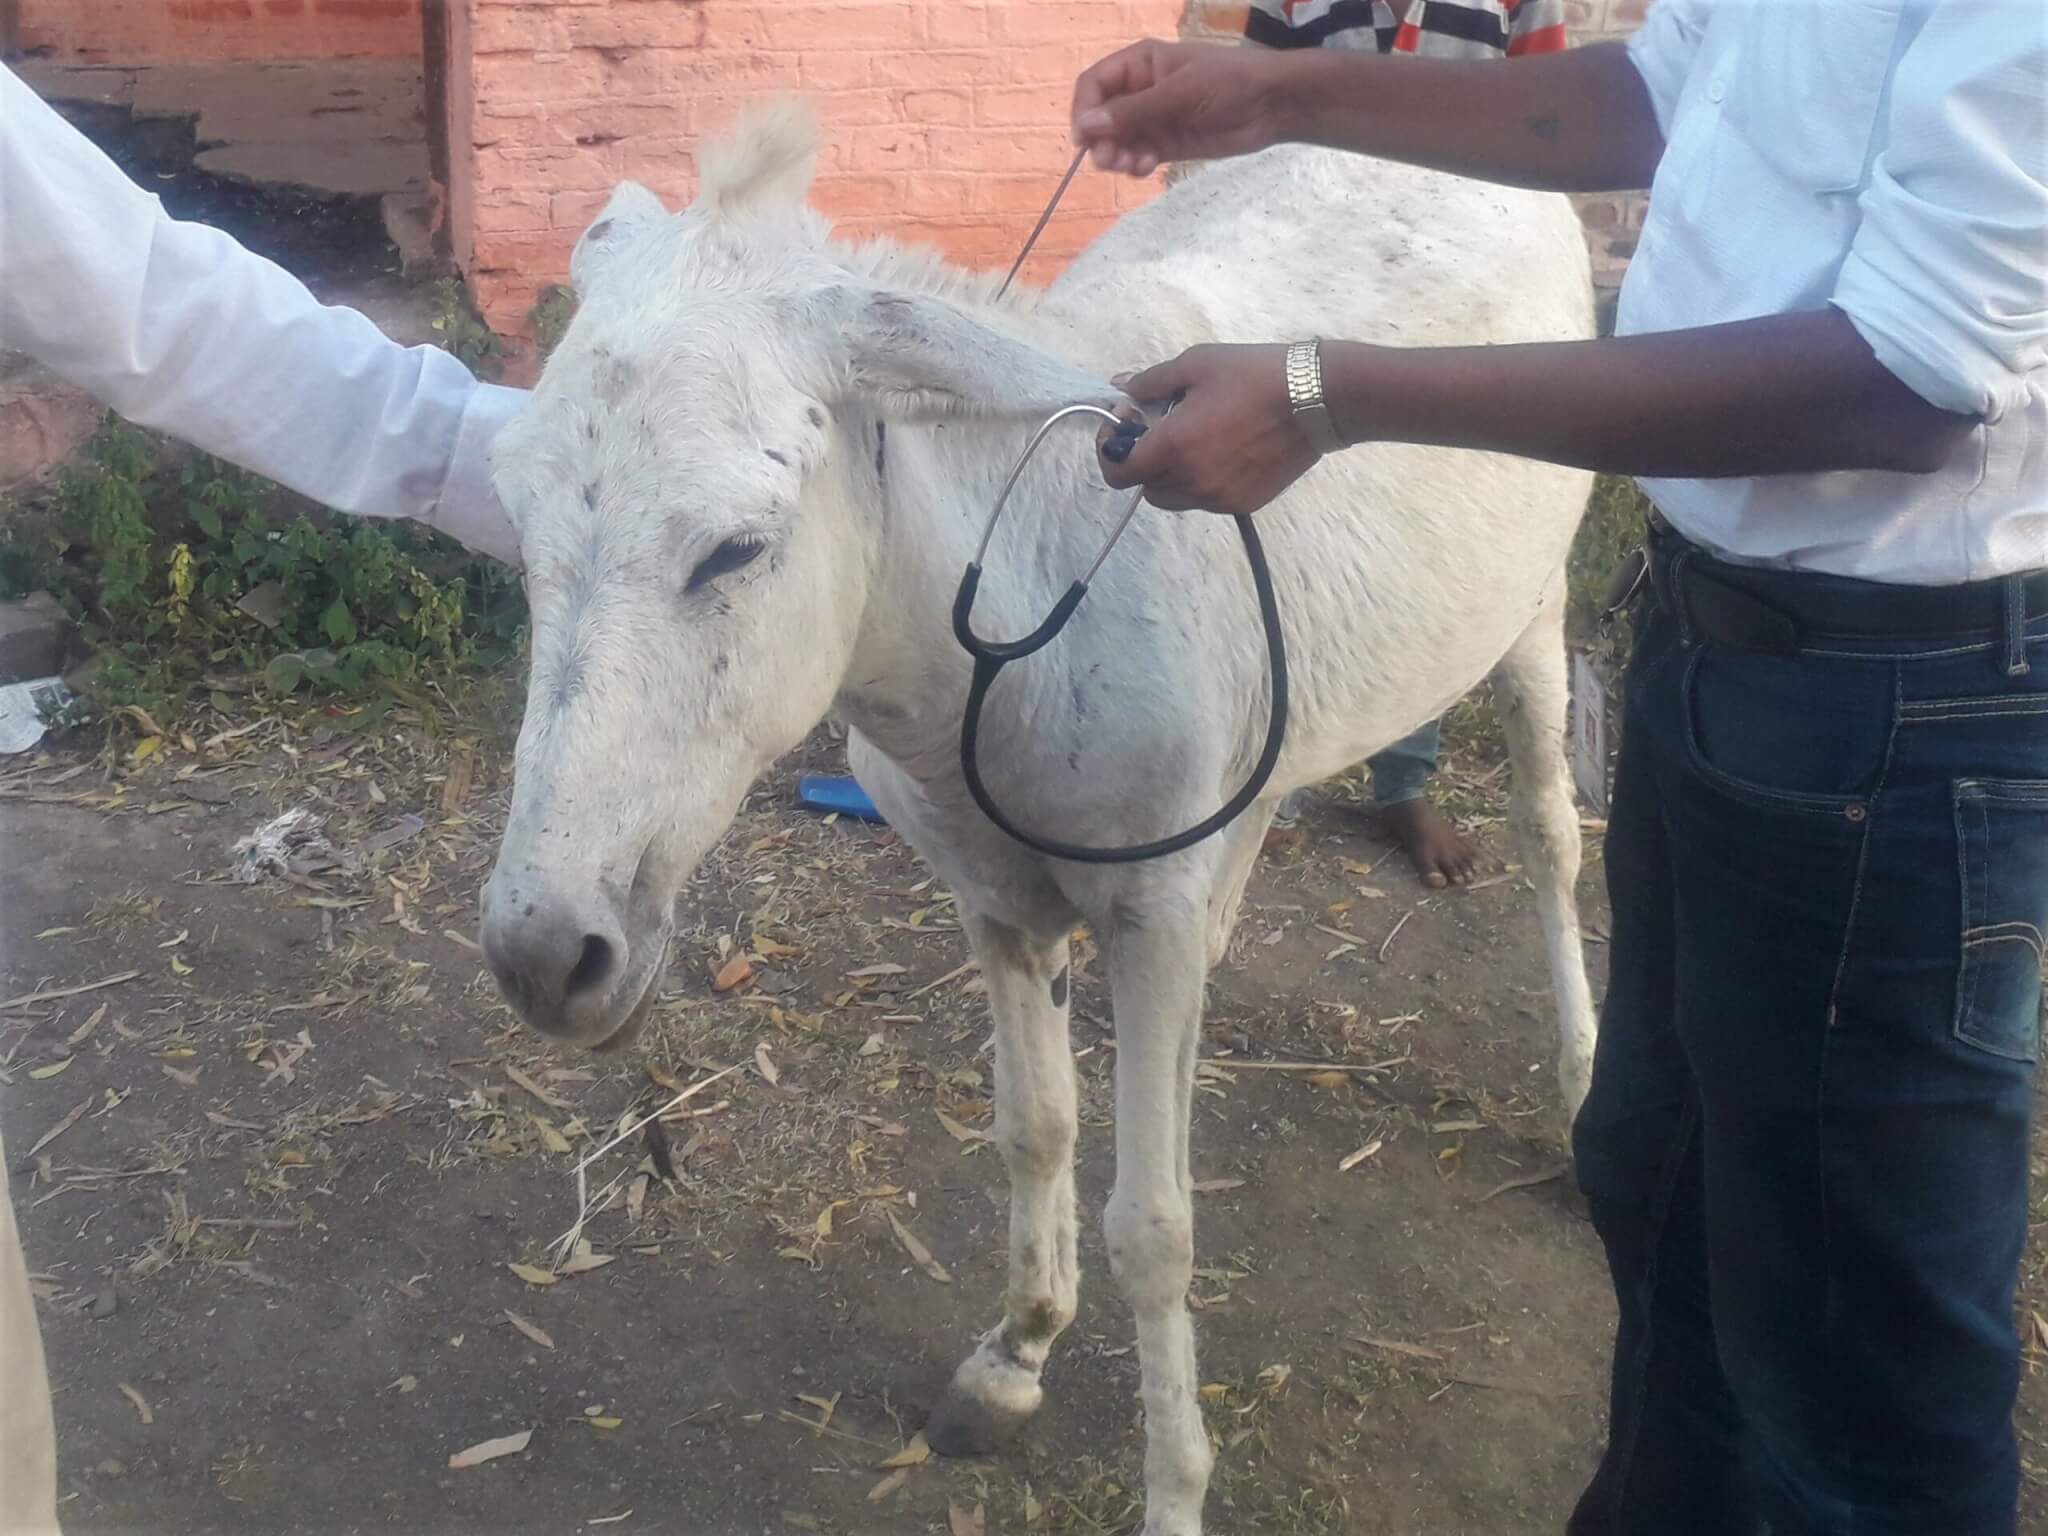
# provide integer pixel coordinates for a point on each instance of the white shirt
(177, 327)
(1888, 157)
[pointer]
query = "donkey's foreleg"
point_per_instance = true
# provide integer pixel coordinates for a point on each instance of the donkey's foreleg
(997, 1387)
(1156, 972)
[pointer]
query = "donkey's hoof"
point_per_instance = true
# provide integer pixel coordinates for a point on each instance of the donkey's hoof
(963, 1425)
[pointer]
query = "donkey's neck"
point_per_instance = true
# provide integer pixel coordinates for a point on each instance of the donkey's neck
(907, 685)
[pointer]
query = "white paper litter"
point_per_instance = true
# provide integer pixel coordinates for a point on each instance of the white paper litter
(289, 844)
(26, 710)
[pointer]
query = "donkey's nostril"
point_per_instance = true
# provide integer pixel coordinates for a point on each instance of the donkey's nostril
(593, 967)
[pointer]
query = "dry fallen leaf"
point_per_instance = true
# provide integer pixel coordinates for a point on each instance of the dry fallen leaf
(1328, 1080)
(1216, 1186)
(958, 1131)
(583, 1263)
(888, 1485)
(767, 1064)
(920, 1255)
(531, 1275)
(550, 1137)
(403, 1384)
(538, 1335)
(736, 972)
(179, 967)
(189, 1079)
(553, 1101)
(1354, 1159)
(39, 1073)
(78, 1036)
(60, 1127)
(136, 1398)
(491, 1450)
(915, 1454)
(877, 970)
(966, 1522)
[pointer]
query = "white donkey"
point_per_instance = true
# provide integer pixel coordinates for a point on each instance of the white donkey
(722, 546)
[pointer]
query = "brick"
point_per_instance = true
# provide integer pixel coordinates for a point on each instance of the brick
(849, 109)
(836, 71)
(641, 24)
(953, 109)
(1027, 106)
(518, 77)
(846, 24)
(1025, 149)
(1059, 21)
(518, 29)
(1027, 195)
(955, 25)
(589, 125)
(938, 194)
(509, 210)
(883, 149)
(1047, 63)
(574, 211)
(929, 67)
(549, 168)
(855, 196)
(662, 163)
(544, 251)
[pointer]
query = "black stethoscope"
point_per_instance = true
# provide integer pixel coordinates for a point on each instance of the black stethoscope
(991, 656)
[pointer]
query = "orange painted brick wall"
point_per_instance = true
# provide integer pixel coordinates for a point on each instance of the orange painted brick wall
(944, 121)
(131, 32)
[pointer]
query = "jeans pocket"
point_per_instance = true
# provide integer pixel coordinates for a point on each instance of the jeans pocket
(2002, 855)
(1788, 732)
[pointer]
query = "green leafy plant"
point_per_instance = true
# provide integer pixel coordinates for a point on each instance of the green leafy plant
(462, 330)
(549, 318)
(178, 566)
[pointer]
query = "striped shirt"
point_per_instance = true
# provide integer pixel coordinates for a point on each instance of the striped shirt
(1441, 29)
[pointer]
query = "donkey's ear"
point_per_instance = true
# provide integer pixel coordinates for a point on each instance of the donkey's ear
(632, 211)
(762, 164)
(918, 357)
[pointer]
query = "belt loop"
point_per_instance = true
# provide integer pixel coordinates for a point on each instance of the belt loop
(1681, 610)
(2016, 664)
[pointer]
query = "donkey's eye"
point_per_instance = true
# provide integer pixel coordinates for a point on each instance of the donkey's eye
(730, 556)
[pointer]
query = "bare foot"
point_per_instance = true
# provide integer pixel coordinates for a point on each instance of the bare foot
(1441, 854)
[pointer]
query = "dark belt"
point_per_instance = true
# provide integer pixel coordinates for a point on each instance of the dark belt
(1778, 613)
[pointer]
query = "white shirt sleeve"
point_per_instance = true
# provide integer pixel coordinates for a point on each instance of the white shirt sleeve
(1663, 49)
(1947, 278)
(179, 328)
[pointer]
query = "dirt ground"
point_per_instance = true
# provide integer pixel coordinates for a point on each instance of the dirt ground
(291, 1146)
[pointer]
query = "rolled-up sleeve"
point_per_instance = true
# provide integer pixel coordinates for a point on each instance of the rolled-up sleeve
(1663, 50)
(179, 328)
(1948, 276)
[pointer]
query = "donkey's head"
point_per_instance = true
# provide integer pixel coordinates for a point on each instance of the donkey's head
(696, 482)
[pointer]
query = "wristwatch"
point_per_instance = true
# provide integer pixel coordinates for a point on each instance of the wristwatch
(1305, 394)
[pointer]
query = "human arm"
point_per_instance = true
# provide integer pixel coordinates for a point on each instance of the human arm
(179, 328)
(1786, 394)
(1577, 121)
(1939, 319)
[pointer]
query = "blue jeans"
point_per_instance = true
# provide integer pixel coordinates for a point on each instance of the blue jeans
(1401, 772)
(1806, 1145)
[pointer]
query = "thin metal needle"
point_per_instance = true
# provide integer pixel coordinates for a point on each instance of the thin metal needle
(1044, 219)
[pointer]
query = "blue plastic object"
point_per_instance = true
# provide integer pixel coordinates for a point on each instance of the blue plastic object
(836, 794)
